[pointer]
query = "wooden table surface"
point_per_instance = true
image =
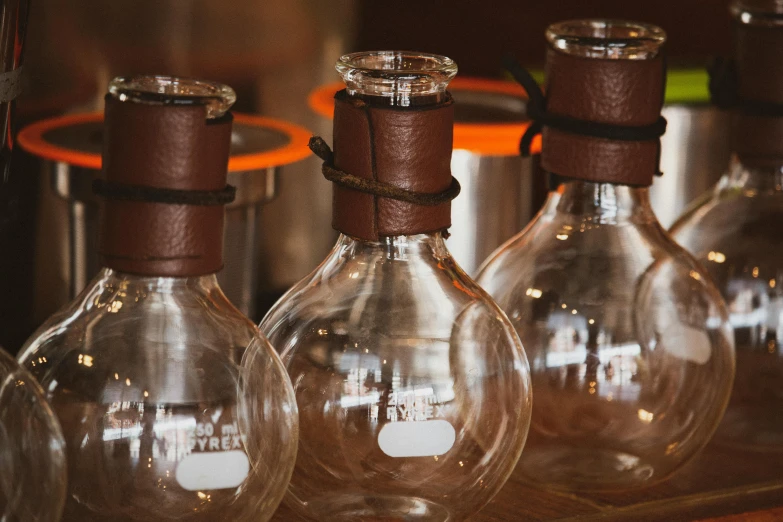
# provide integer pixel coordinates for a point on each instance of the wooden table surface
(720, 484)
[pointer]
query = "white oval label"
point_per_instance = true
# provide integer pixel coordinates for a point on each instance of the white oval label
(417, 439)
(689, 344)
(213, 470)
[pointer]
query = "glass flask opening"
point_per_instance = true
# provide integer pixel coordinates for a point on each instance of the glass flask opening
(171, 90)
(396, 76)
(608, 39)
(758, 12)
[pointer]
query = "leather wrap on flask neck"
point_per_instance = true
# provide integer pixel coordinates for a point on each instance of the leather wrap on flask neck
(166, 147)
(408, 147)
(758, 56)
(616, 91)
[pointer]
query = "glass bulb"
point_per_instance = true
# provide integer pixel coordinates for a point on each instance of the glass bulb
(628, 340)
(734, 230)
(412, 386)
(32, 450)
(161, 421)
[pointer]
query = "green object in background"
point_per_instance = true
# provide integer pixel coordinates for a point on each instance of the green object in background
(683, 86)
(687, 86)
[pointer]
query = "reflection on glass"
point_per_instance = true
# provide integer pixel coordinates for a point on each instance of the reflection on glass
(412, 389)
(32, 451)
(735, 232)
(629, 344)
(160, 420)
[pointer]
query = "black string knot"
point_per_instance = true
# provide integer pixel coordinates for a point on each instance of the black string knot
(376, 188)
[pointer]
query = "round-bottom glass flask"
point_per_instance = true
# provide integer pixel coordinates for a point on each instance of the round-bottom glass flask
(32, 450)
(412, 386)
(629, 344)
(161, 421)
(735, 233)
(734, 230)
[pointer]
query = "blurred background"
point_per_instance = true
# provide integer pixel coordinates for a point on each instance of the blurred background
(274, 53)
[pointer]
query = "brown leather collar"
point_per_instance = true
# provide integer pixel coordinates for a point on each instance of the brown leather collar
(409, 148)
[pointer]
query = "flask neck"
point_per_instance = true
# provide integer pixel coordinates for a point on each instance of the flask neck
(394, 143)
(154, 156)
(601, 203)
(144, 285)
(606, 72)
(395, 248)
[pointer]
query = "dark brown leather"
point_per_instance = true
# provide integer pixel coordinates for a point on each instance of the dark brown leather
(621, 92)
(412, 150)
(758, 140)
(163, 146)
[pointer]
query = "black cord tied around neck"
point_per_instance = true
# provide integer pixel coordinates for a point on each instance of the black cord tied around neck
(540, 118)
(377, 188)
(123, 192)
(724, 91)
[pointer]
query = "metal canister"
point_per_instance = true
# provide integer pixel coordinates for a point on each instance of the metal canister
(696, 148)
(69, 148)
(500, 193)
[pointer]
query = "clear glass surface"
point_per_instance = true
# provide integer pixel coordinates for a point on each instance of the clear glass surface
(768, 13)
(398, 78)
(413, 388)
(629, 344)
(32, 450)
(735, 231)
(160, 420)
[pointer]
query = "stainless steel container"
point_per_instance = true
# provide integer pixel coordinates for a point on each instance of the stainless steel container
(500, 193)
(272, 52)
(696, 148)
(70, 151)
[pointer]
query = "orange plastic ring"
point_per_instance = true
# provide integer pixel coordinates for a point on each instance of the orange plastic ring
(321, 100)
(295, 150)
(31, 139)
(490, 139)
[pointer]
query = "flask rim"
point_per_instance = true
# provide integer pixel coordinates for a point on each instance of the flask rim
(606, 39)
(173, 90)
(403, 63)
(397, 76)
(765, 13)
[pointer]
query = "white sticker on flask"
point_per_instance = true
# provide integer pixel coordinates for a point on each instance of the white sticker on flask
(213, 470)
(417, 439)
(689, 344)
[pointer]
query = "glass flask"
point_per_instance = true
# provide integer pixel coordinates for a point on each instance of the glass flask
(734, 230)
(629, 344)
(32, 450)
(412, 386)
(161, 421)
